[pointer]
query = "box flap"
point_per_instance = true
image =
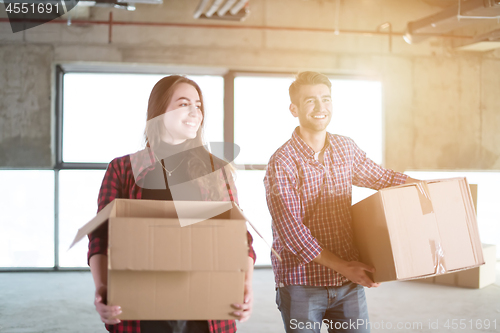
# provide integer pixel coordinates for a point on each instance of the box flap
(145, 208)
(457, 223)
(185, 211)
(100, 218)
(413, 234)
(156, 244)
(189, 214)
(237, 213)
(423, 194)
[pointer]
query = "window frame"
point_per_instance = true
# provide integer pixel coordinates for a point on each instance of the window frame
(228, 75)
(229, 105)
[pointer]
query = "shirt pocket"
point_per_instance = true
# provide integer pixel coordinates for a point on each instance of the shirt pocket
(340, 179)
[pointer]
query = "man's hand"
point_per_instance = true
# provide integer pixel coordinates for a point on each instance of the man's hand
(410, 180)
(353, 270)
(356, 272)
(107, 313)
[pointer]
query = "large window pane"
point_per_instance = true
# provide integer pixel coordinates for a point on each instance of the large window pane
(263, 121)
(27, 218)
(357, 113)
(212, 88)
(252, 199)
(78, 192)
(105, 114)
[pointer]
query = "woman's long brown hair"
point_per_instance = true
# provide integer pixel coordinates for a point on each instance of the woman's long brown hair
(160, 98)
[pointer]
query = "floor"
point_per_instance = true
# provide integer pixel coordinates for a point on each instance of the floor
(63, 302)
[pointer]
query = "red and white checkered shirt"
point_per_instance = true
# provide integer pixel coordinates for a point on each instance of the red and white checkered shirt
(305, 222)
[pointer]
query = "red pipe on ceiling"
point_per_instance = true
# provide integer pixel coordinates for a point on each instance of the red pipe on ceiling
(230, 26)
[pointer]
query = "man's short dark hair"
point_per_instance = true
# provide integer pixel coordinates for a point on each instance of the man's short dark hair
(306, 78)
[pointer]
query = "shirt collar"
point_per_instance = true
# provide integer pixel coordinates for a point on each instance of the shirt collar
(303, 147)
(141, 161)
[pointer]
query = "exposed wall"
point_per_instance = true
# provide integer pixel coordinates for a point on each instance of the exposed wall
(25, 105)
(442, 107)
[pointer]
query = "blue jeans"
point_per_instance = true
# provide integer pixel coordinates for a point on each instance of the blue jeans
(341, 309)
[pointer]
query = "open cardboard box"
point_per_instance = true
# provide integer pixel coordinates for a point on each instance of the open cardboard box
(160, 270)
(418, 230)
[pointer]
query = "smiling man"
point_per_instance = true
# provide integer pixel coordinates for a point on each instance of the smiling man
(308, 188)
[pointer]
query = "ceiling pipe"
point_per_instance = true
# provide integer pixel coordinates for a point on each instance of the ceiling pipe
(214, 8)
(223, 10)
(385, 26)
(451, 18)
(472, 17)
(110, 31)
(200, 9)
(236, 8)
(337, 17)
(230, 26)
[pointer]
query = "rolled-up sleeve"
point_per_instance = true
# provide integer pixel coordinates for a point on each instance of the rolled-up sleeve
(367, 173)
(284, 205)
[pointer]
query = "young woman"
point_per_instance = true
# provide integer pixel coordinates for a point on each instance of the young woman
(174, 166)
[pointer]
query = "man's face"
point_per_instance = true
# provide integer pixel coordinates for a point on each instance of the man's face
(315, 107)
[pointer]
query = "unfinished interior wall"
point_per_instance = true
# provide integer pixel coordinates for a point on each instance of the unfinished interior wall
(25, 105)
(442, 108)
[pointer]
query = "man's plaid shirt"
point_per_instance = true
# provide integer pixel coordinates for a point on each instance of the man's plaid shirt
(119, 182)
(305, 222)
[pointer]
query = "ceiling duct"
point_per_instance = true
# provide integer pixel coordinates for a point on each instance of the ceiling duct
(229, 10)
(462, 14)
(124, 4)
(484, 42)
(149, 2)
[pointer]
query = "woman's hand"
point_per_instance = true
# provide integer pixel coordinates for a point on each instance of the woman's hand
(99, 269)
(243, 311)
(107, 313)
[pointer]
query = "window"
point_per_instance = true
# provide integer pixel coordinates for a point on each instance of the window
(27, 215)
(263, 123)
(101, 115)
(104, 116)
(109, 110)
(77, 205)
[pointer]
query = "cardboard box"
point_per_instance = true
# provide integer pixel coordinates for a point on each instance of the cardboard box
(418, 230)
(160, 270)
(477, 277)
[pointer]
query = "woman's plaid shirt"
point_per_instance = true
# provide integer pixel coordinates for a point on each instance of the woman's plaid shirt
(119, 182)
(305, 222)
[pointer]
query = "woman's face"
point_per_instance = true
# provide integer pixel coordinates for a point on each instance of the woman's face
(183, 116)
